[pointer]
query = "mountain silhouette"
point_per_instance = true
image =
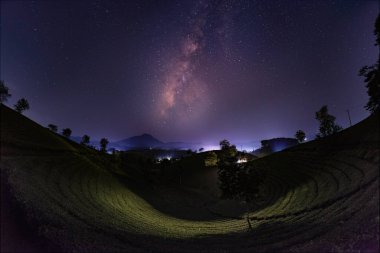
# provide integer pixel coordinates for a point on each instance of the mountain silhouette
(140, 141)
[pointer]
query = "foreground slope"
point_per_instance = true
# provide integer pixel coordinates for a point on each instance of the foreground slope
(322, 196)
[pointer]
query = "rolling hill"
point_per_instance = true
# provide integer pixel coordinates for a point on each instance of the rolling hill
(58, 195)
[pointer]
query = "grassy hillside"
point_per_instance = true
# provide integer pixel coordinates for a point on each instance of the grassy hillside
(322, 196)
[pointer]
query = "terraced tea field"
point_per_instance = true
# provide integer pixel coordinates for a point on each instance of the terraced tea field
(322, 196)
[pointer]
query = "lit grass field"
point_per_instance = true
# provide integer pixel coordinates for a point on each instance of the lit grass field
(321, 196)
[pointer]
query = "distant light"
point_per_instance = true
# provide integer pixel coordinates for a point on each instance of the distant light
(159, 159)
(242, 160)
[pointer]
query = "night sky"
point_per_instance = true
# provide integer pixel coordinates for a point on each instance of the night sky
(195, 71)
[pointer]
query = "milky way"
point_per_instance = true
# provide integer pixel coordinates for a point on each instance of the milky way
(183, 95)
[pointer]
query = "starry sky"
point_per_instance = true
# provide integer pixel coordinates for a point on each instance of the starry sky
(187, 70)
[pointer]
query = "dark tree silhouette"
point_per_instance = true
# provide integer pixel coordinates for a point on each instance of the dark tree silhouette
(372, 76)
(4, 92)
(85, 140)
(238, 181)
(22, 105)
(103, 144)
(227, 168)
(300, 136)
(66, 132)
(224, 144)
(201, 149)
(53, 127)
(327, 124)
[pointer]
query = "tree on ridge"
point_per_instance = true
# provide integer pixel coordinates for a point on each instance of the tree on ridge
(327, 125)
(4, 92)
(66, 132)
(21, 105)
(300, 136)
(85, 140)
(372, 76)
(103, 144)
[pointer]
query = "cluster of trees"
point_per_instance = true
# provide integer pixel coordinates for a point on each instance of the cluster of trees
(21, 105)
(241, 182)
(103, 142)
(66, 132)
(327, 125)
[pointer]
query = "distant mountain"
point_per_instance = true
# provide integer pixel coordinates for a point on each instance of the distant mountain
(137, 142)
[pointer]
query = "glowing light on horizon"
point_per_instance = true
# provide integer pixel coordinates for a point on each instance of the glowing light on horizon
(211, 147)
(160, 158)
(242, 160)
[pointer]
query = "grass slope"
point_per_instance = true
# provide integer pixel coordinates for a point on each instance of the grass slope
(322, 196)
